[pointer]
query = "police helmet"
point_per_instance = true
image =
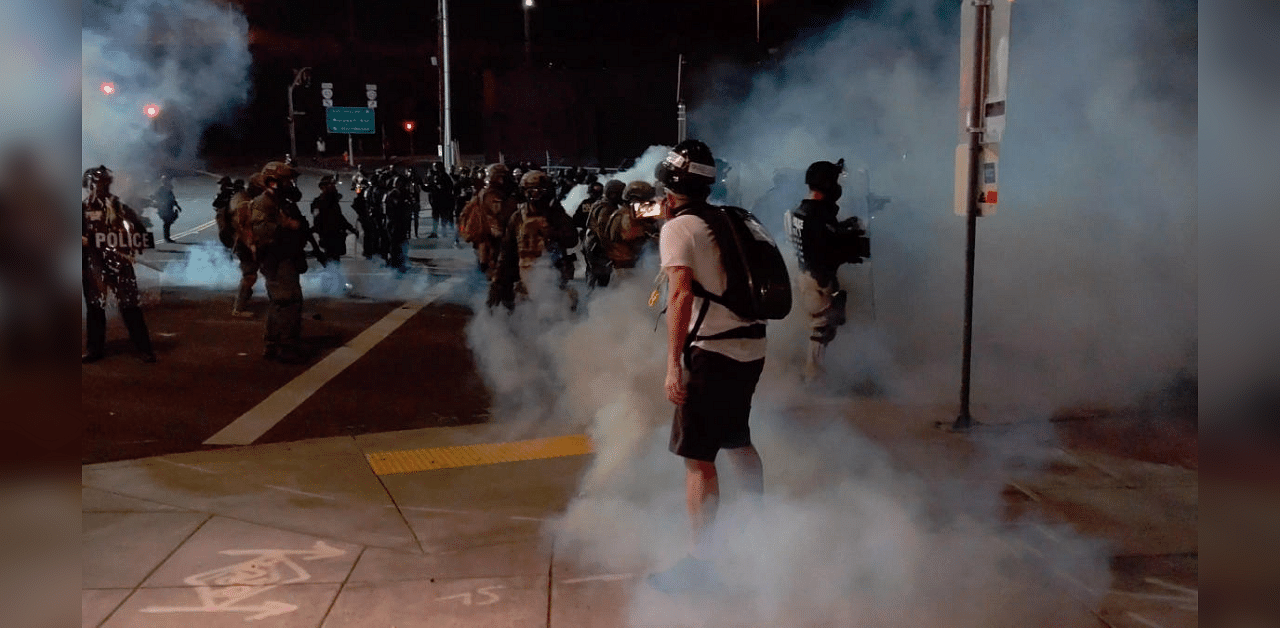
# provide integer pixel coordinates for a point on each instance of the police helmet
(595, 189)
(613, 190)
(535, 184)
(326, 181)
(98, 176)
(278, 171)
(638, 191)
(238, 184)
(824, 176)
(225, 182)
(497, 175)
(688, 169)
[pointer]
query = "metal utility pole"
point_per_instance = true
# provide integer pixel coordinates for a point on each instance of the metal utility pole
(447, 143)
(528, 42)
(300, 77)
(681, 117)
(976, 171)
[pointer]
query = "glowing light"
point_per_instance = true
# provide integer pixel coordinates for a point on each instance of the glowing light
(408, 126)
(528, 4)
(108, 88)
(151, 110)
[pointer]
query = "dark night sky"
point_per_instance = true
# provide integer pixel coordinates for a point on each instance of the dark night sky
(602, 85)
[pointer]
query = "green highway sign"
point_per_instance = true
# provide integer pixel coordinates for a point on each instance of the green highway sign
(356, 120)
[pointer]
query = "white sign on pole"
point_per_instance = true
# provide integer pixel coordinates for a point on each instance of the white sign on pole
(991, 113)
(326, 86)
(328, 102)
(373, 104)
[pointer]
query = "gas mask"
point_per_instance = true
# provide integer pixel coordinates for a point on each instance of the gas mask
(289, 191)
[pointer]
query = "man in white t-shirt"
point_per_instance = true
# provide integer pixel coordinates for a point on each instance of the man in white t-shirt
(713, 398)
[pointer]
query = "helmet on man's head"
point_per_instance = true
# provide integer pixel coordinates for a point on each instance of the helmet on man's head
(497, 176)
(535, 185)
(225, 182)
(824, 177)
(613, 190)
(638, 191)
(688, 169)
(98, 176)
(278, 171)
(326, 181)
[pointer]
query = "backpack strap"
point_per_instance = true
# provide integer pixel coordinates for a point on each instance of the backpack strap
(754, 330)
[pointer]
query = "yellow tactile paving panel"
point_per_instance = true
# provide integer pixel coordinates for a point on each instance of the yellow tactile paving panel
(412, 460)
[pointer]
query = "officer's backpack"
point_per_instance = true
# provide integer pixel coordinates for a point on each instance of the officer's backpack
(758, 286)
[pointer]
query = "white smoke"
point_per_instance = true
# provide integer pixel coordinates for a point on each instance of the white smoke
(1086, 276)
(188, 57)
(1085, 293)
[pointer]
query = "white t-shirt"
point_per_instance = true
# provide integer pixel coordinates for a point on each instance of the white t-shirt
(686, 241)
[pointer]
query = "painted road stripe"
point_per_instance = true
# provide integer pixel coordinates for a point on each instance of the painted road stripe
(413, 460)
(264, 416)
(194, 230)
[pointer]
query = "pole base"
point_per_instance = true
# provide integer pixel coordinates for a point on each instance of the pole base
(962, 423)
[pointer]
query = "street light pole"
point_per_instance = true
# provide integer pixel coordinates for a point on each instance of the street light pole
(448, 97)
(528, 42)
(300, 77)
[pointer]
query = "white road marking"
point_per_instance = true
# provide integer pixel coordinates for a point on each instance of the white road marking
(609, 577)
(187, 466)
(221, 590)
(264, 416)
(194, 230)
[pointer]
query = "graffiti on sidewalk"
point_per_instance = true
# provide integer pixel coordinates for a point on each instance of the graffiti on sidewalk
(487, 592)
(224, 590)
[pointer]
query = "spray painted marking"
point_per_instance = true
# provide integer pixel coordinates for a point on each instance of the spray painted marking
(412, 460)
(487, 592)
(194, 230)
(608, 577)
(222, 590)
(264, 416)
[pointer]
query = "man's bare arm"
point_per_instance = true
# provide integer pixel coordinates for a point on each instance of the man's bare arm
(679, 313)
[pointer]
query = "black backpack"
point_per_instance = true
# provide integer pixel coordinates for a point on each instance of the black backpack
(758, 286)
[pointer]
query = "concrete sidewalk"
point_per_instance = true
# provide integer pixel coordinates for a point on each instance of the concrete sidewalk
(306, 534)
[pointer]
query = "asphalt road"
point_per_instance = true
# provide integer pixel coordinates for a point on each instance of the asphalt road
(211, 371)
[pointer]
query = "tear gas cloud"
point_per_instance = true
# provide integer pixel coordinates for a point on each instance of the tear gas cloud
(189, 57)
(1086, 275)
(1085, 295)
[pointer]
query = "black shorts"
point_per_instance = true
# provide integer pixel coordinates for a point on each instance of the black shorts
(715, 412)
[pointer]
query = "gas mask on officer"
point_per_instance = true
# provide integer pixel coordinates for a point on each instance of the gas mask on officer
(288, 190)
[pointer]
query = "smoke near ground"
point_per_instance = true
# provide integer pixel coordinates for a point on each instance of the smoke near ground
(1085, 294)
(188, 57)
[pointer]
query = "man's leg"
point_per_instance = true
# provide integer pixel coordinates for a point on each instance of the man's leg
(746, 461)
(702, 498)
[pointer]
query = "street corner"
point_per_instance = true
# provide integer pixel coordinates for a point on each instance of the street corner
(506, 602)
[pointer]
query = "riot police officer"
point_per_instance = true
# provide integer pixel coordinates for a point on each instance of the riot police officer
(240, 215)
(221, 207)
(823, 243)
(279, 240)
(539, 227)
(401, 205)
(111, 234)
(599, 267)
(484, 222)
(167, 205)
(330, 225)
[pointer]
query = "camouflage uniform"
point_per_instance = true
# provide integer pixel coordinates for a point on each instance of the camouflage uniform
(483, 223)
(240, 215)
(279, 244)
(540, 226)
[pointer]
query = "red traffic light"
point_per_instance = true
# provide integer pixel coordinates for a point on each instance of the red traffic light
(108, 88)
(151, 110)
(408, 126)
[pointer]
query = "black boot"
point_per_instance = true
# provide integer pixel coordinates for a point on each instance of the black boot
(138, 333)
(96, 332)
(166, 232)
